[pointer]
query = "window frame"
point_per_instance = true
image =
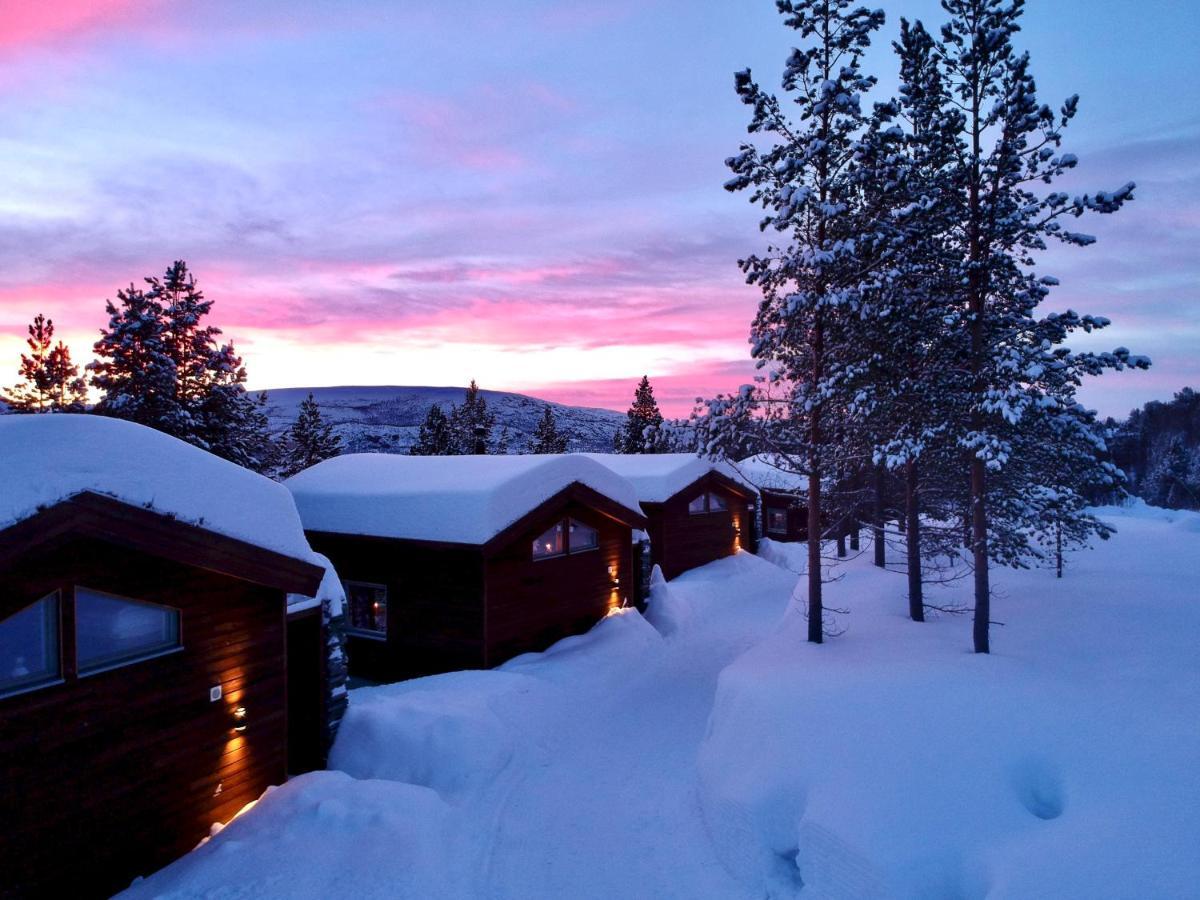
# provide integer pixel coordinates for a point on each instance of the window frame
(354, 630)
(710, 496)
(86, 672)
(562, 522)
(703, 498)
(772, 510)
(61, 676)
(570, 548)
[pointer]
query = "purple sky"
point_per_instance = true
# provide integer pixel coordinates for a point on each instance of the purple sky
(528, 193)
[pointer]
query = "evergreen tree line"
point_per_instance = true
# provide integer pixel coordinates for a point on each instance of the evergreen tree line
(1159, 447)
(159, 365)
(899, 337)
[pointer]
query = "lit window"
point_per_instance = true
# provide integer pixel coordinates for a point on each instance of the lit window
(111, 631)
(697, 505)
(777, 521)
(29, 647)
(716, 503)
(582, 537)
(549, 543)
(368, 607)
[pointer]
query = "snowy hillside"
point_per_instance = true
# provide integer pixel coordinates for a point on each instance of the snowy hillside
(706, 750)
(386, 419)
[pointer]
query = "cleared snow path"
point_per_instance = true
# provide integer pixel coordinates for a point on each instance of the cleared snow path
(614, 791)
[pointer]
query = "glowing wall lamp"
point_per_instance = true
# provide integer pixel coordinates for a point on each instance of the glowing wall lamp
(239, 720)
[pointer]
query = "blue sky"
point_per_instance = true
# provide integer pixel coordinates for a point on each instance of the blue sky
(527, 193)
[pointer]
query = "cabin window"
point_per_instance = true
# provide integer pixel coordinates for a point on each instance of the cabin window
(716, 503)
(29, 654)
(550, 543)
(582, 537)
(777, 521)
(698, 505)
(113, 631)
(368, 605)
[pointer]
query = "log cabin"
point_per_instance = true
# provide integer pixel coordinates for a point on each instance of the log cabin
(697, 510)
(459, 562)
(784, 504)
(143, 648)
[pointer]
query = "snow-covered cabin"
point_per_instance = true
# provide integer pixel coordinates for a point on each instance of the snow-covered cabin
(698, 510)
(784, 493)
(465, 561)
(143, 647)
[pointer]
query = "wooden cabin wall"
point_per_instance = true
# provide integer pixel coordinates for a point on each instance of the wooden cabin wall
(797, 515)
(682, 541)
(531, 604)
(112, 775)
(435, 604)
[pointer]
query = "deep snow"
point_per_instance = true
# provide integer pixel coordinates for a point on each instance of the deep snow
(715, 754)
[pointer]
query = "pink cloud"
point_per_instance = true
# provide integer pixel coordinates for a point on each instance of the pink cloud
(23, 24)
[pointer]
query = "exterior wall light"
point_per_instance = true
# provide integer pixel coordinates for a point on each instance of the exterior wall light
(239, 718)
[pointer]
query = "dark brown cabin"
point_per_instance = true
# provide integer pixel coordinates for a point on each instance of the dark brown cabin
(143, 690)
(421, 606)
(784, 515)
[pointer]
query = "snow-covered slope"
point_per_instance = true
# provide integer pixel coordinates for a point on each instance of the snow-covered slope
(386, 419)
(706, 750)
(49, 458)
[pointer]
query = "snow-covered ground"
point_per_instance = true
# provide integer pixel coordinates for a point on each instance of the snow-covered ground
(715, 754)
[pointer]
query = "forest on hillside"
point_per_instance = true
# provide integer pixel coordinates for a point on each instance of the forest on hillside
(1158, 448)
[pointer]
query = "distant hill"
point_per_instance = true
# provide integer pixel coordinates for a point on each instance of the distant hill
(386, 419)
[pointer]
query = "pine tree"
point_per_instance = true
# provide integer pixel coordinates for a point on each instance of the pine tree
(546, 437)
(471, 423)
(159, 366)
(435, 437)
(502, 442)
(643, 429)
(1014, 362)
(51, 382)
(806, 178)
(310, 440)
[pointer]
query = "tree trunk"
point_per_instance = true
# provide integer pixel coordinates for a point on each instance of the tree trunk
(1058, 547)
(841, 541)
(979, 552)
(855, 526)
(912, 512)
(816, 624)
(877, 520)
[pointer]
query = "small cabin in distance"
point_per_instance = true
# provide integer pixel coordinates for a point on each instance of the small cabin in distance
(456, 562)
(143, 648)
(784, 506)
(698, 510)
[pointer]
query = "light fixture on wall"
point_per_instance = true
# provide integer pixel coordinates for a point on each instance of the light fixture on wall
(239, 719)
(612, 575)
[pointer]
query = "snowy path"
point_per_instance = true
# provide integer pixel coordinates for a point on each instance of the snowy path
(614, 792)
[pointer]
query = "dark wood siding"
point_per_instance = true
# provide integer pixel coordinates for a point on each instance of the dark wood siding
(531, 604)
(435, 604)
(680, 540)
(795, 509)
(112, 775)
(306, 679)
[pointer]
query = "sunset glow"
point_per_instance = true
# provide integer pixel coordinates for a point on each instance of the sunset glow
(526, 194)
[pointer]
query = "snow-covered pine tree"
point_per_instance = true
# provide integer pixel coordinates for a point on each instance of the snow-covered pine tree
(1008, 143)
(805, 177)
(310, 440)
(435, 437)
(471, 423)
(546, 437)
(50, 381)
(643, 428)
(503, 442)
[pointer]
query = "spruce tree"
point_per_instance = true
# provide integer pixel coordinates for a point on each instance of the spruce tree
(310, 439)
(50, 381)
(1014, 362)
(805, 177)
(546, 437)
(435, 437)
(643, 429)
(471, 423)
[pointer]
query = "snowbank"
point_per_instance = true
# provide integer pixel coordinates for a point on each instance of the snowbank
(459, 499)
(49, 458)
(665, 610)
(891, 761)
(322, 835)
(657, 477)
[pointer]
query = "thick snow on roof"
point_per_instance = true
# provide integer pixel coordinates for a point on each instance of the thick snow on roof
(459, 499)
(49, 458)
(764, 471)
(659, 476)
(331, 589)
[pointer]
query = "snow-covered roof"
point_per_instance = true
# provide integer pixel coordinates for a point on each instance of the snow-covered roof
(659, 476)
(768, 472)
(458, 499)
(50, 458)
(331, 589)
